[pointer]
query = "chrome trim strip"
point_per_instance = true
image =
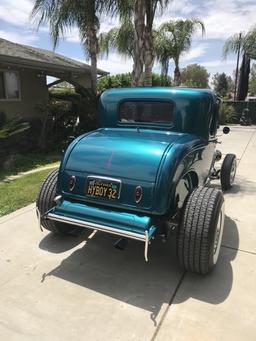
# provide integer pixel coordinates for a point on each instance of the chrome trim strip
(95, 226)
(146, 246)
(103, 228)
(103, 178)
(57, 199)
(39, 218)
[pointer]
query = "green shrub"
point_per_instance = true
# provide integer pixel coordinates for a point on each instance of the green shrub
(13, 126)
(125, 80)
(228, 114)
(239, 106)
(60, 107)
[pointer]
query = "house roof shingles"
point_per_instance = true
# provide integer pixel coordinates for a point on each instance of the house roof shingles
(18, 54)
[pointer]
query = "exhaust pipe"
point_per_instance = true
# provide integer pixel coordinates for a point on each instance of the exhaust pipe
(121, 243)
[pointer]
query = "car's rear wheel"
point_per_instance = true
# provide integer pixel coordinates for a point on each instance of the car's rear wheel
(201, 230)
(228, 171)
(45, 201)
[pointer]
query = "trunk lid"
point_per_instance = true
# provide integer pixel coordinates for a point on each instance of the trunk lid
(131, 156)
(121, 153)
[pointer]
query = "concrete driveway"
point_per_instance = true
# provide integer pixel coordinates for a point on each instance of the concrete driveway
(67, 288)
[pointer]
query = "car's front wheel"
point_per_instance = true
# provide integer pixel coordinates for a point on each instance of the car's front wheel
(201, 230)
(228, 171)
(45, 201)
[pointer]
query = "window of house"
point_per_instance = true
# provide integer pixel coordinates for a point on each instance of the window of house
(9, 85)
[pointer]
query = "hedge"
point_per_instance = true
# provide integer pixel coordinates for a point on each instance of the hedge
(239, 106)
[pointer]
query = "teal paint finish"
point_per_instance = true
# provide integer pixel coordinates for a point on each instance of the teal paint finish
(131, 153)
(191, 111)
(126, 154)
(155, 157)
(119, 220)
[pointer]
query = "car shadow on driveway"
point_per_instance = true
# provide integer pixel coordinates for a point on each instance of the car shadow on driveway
(241, 186)
(55, 243)
(216, 286)
(125, 276)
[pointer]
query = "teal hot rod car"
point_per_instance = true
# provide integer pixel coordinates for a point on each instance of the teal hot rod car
(145, 172)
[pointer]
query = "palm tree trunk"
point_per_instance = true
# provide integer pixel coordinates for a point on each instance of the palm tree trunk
(243, 78)
(139, 32)
(164, 71)
(177, 79)
(149, 56)
(93, 50)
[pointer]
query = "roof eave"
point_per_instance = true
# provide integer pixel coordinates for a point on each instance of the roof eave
(51, 67)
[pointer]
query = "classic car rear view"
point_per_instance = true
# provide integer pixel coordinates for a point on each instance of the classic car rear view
(145, 172)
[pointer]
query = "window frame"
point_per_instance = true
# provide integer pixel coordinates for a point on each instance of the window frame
(146, 124)
(4, 71)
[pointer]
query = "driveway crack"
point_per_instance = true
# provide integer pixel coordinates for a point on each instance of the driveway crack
(168, 307)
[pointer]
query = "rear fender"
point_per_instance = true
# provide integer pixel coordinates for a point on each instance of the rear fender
(180, 163)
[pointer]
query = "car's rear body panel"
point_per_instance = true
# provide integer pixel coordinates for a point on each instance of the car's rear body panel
(135, 157)
(140, 156)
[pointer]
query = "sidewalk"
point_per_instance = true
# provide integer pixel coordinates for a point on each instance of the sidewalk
(62, 288)
(32, 171)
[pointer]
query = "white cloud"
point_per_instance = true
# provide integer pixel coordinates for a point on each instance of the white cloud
(15, 12)
(177, 8)
(108, 23)
(195, 52)
(222, 18)
(72, 35)
(114, 64)
(20, 38)
(219, 63)
(227, 17)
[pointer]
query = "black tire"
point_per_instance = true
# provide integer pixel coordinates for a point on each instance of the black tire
(200, 230)
(228, 171)
(45, 202)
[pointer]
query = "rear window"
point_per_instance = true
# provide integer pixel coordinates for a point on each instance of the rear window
(146, 112)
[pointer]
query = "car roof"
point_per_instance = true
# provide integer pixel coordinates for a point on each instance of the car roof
(158, 89)
(156, 92)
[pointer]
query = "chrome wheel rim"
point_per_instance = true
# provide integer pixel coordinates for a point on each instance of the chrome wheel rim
(233, 172)
(218, 234)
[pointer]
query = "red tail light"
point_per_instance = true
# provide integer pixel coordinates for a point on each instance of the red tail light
(71, 182)
(138, 194)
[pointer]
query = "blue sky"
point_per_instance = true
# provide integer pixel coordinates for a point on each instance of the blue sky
(222, 18)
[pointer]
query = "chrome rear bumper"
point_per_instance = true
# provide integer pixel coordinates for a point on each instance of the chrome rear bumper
(98, 227)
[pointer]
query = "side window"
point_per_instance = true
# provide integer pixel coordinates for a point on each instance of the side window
(9, 85)
(2, 88)
(213, 121)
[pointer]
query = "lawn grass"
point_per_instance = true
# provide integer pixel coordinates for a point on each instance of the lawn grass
(20, 192)
(26, 162)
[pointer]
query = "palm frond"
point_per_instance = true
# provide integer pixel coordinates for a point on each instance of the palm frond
(250, 43)
(233, 44)
(120, 39)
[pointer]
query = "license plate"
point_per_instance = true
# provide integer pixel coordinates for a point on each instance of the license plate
(106, 188)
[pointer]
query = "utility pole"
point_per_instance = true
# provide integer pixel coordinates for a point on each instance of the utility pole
(237, 64)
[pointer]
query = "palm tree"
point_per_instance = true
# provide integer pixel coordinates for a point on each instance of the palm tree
(149, 57)
(143, 12)
(246, 43)
(144, 15)
(163, 51)
(62, 15)
(179, 34)
(120, 39)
